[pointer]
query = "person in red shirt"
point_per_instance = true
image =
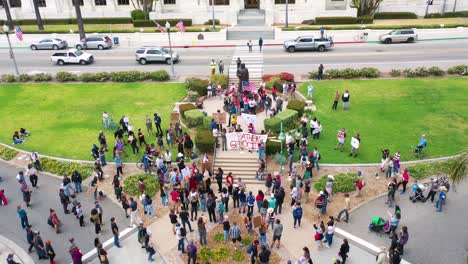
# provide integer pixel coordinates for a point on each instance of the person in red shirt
(229, 182)
(404, 180)
(259, 199)
(175, 199)
(273, 92)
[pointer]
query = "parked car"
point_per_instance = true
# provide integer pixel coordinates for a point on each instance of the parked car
(54, 44)
(95, 42)
(399, 35)
(149, 54)
(308, 43)
(72, 56)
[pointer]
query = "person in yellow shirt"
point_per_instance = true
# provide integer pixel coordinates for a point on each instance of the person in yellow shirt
(234, 120)
(213, 67)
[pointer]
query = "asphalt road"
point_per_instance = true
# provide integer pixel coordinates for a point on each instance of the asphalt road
(195, 61)
(434, 237)
(43, 198)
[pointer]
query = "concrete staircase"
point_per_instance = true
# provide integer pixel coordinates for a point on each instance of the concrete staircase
(253, 61)
(250, 25)
(241, 163)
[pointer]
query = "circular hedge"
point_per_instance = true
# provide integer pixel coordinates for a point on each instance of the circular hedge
(344, 182)
(151, 182)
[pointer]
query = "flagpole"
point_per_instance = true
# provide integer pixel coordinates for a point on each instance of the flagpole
(12, 54)
(168, 27)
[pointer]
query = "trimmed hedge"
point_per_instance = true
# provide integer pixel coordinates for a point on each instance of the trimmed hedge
(8, 78)
(162, 22)
(66, 77)
(221, 79)
(448, 14)
(343, 20)
(7, 153)
(72, 21)
(348, 73)
(205, 141)
(275, 82)
(297, 105)
(95, 77)
(210, 22)
(272, 147)
(197, 85)
(343, 182)
(425, 169)
(309, 22)
(194, 117)
(288, 117)
(389, 27)
(137, 14)
(130, 184)
(161, 75)
(459, 69)
(185, 107)
(395, 15)
(42, 77)
(63, 168)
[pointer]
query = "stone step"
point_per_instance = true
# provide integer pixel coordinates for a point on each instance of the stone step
(237, 168)
(260, 21)
(249, 35)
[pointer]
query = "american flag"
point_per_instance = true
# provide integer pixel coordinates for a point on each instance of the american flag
(180, 26)
(159, 27)
(19, 33)
(252, 87)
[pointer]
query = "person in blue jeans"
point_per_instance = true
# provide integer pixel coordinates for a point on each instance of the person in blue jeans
(23, 216)
(180, 233)
(440, 201)
(77, 180)
(226, 227)
(115, 232)
(297, 214)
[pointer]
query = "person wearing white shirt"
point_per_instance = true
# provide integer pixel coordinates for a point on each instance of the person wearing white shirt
(126, 120)
(313, 124)
(168, 158)
(310, 90)
(329, 234)
(105, 120)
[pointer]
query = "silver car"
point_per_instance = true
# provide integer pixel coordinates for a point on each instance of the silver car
(399, 35)
(54, 44)
(95, 42)
(308, 43)
(158, 54)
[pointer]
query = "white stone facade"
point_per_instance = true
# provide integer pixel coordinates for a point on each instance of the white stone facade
(200, 11)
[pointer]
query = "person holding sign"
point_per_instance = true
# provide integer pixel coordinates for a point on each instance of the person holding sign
(341, 140)
(355, 143)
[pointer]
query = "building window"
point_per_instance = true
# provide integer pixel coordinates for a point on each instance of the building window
(169, 2)
(15, 3)
(80, 1)
(123, 2)
(100, 2)
(219, 2)
(41, 3)
(279, 2)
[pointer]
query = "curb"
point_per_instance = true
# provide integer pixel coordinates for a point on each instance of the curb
(16, 250)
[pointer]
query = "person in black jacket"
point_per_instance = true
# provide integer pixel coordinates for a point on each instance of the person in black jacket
(64, 200)
(77, 180)
(30, 238)
(344, 249)
(279, 196)
(264, 256)
(254, 252)
(219, 179)
(345, 98)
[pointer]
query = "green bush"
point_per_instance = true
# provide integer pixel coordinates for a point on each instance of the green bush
(221, 254)
(193, 117)
(221, 79)
(185, 107)
(343, 20)
(161, 75)
(137, 14)
(24, 78)
(387, 27)
(348, 73)
(309, 22)
(448, 14)
(395, 15)
(41, 77)
(105, 20)
(197, 85)
(205, 254)
(289, 118)
(436, 71)
(368, 72)
(458, 69)
(192, 96)
(421, 72)
(130, 185)
(7, 153)
(63, 168)
(409, 73)
(94, 77)
(210, 22)
(272, 124)
(343, 182)
(272, 147)
(395, 73)
(238, 256)
(126, 76)
(425, 169)
(275, 82)
(66, 77)
(72, 21)
(204, 140)
(219, 237)
(298, 105)
(9, 78)
(162, 22)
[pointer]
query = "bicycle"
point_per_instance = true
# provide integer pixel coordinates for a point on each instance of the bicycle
(361, 36)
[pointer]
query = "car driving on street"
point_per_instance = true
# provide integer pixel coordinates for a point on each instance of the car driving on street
(52, 43)
(155, 54)
(308, 43)
(72, 56)
(95, 42)
(399, 35)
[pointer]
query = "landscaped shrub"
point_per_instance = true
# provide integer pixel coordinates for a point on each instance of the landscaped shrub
(161, 75)
(458, 69)
(288, 117)
(186, 107)
(192, 96)
(285, 76)
(395, 73)
(41, 77)
(151, 184)
(197, 85)
(275, 82)
(421, 72)
(272, 147)
(409, 73)
(137, 14)
(205, 254)
(369, 72)
(343, 182)
(95, 77)
(66, 77)
(65, 168)
(193, 117)
(348, 73)
(308, 22)
(448, 14)
(425, 169)
(395, 15)
(24, 78)
(238, 256)
(162, 22)
(221, 79)
(9, 78)
(210, 22)
(204, 140)
(126, 76)
(298, 105)
(436, 71)
(7, 153)
(71, 21)
(343, 20)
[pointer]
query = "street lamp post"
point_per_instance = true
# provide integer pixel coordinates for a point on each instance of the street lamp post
(168, 27)
(287, 24)
(281, 137)
(213, 14)
(6, 30)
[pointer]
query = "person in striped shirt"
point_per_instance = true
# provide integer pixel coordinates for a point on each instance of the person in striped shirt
(235, 234)
(396, 162)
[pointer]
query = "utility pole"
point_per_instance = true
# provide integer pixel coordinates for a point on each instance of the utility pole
(287, 23)
(213, 14)
(8, 14)
(40, 26)
(79, 19)
(454, 6)
(12, 54)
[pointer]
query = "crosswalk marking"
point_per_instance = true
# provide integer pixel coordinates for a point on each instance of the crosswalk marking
(253, 61)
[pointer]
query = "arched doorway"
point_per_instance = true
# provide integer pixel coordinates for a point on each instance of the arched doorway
(252, 4)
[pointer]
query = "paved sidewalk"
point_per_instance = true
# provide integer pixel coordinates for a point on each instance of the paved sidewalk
(20, 255)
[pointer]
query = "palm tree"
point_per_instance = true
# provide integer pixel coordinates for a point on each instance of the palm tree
(40, 26)
(79, 18)
(458, 172)
(6, 5)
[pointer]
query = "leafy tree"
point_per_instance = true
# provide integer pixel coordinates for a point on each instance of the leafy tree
(365, 7)
(458, 172)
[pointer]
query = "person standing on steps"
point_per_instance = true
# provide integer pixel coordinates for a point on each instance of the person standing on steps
(249, 45)
(238, 62)
(260, 43)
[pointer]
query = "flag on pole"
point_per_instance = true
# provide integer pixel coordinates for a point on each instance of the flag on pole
(180, 26)
(159, 26)
(19, 33)
(249, 87)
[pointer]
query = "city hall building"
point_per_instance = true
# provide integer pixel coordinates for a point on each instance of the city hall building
(227, 11)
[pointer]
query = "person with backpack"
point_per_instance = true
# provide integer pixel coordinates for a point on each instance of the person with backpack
(211, 207)
(250, 203)
(150, 247)
(181, 234)
(252, 250)
(319, 202)
(191, 252)
(297, 213)
(279, 196)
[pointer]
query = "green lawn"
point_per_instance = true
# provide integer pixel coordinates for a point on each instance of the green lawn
(393, 114)
(65, 119)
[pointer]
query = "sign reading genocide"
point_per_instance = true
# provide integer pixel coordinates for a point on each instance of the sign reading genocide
(243, 140)
(174, 117)
(220, 118)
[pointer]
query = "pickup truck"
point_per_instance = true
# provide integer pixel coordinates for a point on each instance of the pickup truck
(308, 43)
(72, 56)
